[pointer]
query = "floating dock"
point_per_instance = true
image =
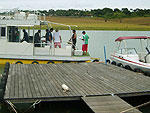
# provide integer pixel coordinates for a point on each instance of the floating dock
(31, 82)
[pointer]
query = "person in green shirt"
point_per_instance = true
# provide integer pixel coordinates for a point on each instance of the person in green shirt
(85, 43)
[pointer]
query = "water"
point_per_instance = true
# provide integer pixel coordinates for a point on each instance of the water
(97, 41)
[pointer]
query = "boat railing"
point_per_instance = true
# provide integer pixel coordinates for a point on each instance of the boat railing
(15, 14)
(49, 49)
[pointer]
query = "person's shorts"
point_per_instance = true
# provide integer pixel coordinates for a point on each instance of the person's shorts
(84, 47)
(57, 44)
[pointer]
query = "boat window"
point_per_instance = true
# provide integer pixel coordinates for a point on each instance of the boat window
(3, 31)
(13, 34)
(127, 51)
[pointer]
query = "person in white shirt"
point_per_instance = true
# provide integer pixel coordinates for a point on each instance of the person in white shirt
(57, 39)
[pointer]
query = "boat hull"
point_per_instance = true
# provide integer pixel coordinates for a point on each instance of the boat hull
(41, 59)
(134, 65)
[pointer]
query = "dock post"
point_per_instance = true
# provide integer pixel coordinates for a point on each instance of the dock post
(105, 54)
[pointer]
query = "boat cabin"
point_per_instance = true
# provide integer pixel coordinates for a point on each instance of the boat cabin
(11, 35)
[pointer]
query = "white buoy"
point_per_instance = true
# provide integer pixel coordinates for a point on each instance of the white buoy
(65, 87)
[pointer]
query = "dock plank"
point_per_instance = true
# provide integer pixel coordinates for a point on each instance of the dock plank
(108, 104)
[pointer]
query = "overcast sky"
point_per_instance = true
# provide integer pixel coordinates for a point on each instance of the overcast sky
(73, 4)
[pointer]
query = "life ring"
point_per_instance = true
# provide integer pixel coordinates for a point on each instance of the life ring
(19, 62)
(50, 62)
(96, 60)
(119, 65)
(113, 63)
(35, 62)
(128, 67)
(108, 61)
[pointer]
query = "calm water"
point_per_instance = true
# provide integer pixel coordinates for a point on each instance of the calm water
(97, 41)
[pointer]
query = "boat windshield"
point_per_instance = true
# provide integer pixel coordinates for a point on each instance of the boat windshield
(127, 51)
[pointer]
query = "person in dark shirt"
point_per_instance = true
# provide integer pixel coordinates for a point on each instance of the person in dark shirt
(50, 34)
(47, 36)
(25, 37)
(74, 39)
(37, 38)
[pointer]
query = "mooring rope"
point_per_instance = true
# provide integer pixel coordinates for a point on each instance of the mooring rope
(141, 105)
(13, 107)
(33, 105)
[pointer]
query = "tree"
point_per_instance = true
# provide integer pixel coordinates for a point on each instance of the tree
(126, 11)
(119, 15)
(107, 10)
(116, 10)
(107, 16)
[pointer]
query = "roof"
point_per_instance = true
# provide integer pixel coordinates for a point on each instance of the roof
(131, 37)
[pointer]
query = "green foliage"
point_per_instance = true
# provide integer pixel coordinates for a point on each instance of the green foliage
(107, 16)
(106, 13)
(119, 15)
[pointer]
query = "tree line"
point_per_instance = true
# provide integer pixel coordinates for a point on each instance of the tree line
(106, 13)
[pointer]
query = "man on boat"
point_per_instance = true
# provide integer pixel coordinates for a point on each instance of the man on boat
(74, 39)
(50, 37)
(25, 37)
(85, 43)
(37, 38)
(47, 36)
(57, 39)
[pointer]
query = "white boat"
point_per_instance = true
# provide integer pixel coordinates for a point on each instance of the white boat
(130, 58)
(25, 52)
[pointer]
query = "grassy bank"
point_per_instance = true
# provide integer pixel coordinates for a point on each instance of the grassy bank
(136, 24)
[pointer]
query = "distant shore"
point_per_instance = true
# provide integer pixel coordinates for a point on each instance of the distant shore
(127, 24)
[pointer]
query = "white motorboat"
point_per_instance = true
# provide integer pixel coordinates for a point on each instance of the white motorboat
(130, 58)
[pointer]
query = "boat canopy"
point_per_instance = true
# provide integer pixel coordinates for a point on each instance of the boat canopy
(131, 37)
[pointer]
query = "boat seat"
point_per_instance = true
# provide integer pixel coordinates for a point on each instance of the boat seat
(141, 57)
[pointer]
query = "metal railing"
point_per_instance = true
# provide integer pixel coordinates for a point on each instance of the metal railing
(7, 14)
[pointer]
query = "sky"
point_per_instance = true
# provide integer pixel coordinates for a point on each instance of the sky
(73, 4)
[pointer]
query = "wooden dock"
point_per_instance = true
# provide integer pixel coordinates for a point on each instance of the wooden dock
(32, 82)
(109, 104)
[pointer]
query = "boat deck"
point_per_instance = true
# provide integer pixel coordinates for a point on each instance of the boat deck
(31, 82)
(46, 57)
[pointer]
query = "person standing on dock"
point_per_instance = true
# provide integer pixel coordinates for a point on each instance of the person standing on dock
(85, 43)
(57, 39)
